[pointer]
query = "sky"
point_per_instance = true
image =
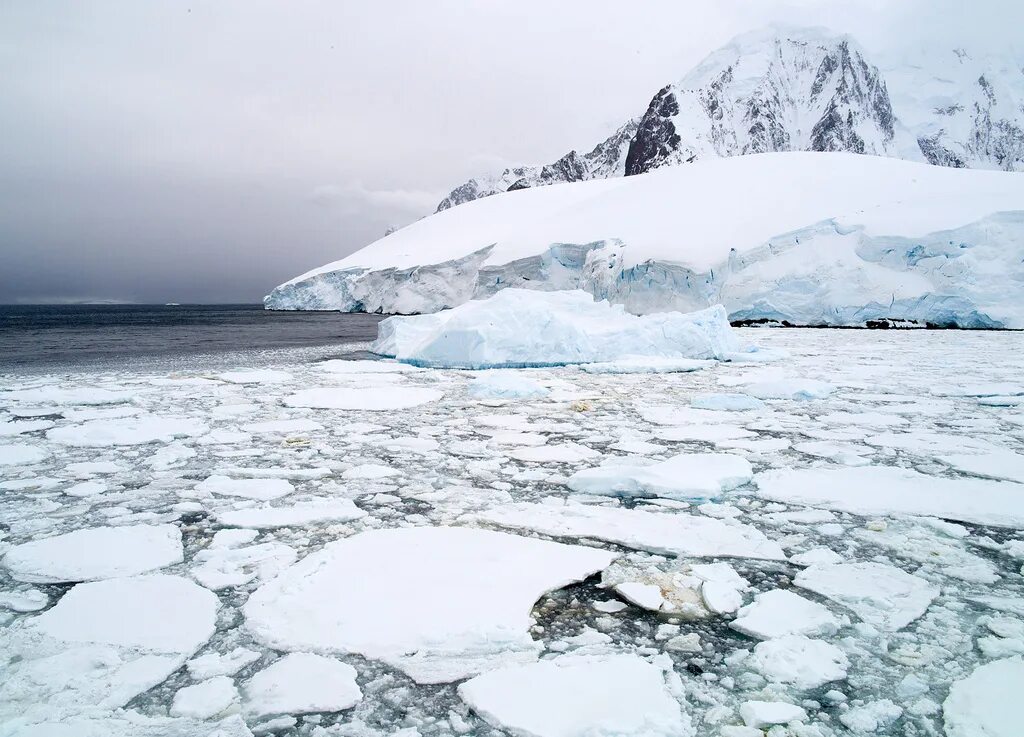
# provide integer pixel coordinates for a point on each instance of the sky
(199, 151)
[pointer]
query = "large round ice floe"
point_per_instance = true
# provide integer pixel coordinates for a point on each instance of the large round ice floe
(440, 603)
(374, 398)
(881, 595)
(578, 697)
(987, 702)
(873, 490)
(684, 477)
(102, 644)
(137, 430)
(95, 553)
(655, 532)
(522, 327)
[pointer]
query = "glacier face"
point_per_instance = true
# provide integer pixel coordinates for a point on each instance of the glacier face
(806, 89)
(809, 238)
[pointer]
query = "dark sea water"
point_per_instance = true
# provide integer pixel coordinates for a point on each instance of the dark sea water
(89, 336)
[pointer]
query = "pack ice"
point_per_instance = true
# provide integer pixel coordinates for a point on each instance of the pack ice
(823, 239)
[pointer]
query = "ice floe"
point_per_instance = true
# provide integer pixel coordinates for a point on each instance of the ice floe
(890, 490)
(76, 657)
(301, 683)
(128, 431)
(579, 697)
(881, 595)
(779, 612)
(378, 399)
(664, 533)
(986, 703)
(799, 661)
(95, 553)
(473, 590)
(687, 476)
(302, 513)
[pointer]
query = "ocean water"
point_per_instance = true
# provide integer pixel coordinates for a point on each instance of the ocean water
(66, 337)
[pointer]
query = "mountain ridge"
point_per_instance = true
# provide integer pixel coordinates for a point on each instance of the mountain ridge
(804, 89)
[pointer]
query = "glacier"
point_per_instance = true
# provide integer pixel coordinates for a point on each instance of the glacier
(808, 238)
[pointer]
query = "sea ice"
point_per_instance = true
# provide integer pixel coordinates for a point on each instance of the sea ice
(258, 489)
(440, 603)
(780, 612)
(761, 714)
(987, 702)
(561, 453)
(138, 430)
(302, 513)
(95, 553)
(997, 463)
(301, 683)
(689, 476)
(726, 402)
(871, 490)
(656, 532)
(521, 327)
(574, 696)
(17, 427)
(100, 645)
(379, 399)
(59, 395)
(15, 454)
(259, 376)
(506, 385)
(646, 365)
(798, 389)
(205, 700)
(881, 595)
(799, 661)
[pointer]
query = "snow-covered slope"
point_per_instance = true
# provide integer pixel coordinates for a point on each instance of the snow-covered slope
(807, 89)
(812, 238)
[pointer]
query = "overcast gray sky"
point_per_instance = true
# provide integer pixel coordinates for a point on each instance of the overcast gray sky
(199, 151)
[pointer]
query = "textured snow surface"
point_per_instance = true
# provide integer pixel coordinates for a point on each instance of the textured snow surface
(473, 591)
(914, 599)
(520, 327)
(825, 238)
(578, 697)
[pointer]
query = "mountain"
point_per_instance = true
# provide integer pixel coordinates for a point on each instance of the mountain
(806, 90)
(608, 159)
(808, 238)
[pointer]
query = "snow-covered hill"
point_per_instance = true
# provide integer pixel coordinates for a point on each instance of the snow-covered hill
(806, 90)
(812, 238)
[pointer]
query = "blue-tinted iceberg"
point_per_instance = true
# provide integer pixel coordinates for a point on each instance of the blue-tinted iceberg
(520, 328)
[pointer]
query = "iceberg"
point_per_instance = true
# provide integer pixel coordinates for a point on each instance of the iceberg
(809, 238)
(519, 328)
